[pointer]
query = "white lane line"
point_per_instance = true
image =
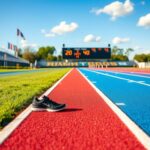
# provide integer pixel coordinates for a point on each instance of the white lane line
(138, 132)
(120, 104)
(130, 81)
(6, 131)
(144, 73)
(121, 78)
(116, 72)
(141, 81)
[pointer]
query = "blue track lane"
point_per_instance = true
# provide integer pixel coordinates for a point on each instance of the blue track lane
(131, 92)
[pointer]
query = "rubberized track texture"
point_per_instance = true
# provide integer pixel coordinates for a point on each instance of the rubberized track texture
(133, 70)
(87, 123)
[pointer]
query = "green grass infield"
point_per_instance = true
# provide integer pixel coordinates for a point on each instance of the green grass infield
(17, 91)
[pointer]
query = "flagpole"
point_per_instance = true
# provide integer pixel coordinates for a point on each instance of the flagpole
(17, 49)
(19, 34)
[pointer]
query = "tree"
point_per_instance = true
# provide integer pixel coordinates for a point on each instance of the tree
(142, 57)
(128, 51)
(119, 57)
(148, 57)
(54, 58)
(19, 52)
(29, 55)
(59, 57)
(51, 58)
(43, 52)
(115, 50)
(117, 54)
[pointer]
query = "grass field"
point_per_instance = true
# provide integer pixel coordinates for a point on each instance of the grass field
(12, 70)
(17, 91)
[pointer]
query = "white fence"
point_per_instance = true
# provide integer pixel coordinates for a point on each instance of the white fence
(144, 64)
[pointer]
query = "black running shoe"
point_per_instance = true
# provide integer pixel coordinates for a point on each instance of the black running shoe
(46, 104)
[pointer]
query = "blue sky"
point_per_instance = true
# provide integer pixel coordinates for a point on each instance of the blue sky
(78, 23)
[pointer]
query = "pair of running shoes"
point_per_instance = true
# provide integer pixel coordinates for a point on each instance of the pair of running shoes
(46, 104)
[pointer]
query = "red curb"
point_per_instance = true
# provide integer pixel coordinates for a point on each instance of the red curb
(87, 123)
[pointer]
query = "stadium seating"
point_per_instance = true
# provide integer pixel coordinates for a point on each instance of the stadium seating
(8, 60)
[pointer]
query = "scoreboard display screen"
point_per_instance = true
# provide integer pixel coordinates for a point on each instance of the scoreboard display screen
(86, 53)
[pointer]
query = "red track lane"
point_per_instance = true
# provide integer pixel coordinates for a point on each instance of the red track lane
(88, 123)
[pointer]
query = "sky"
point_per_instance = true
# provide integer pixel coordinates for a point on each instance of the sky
(77, 23)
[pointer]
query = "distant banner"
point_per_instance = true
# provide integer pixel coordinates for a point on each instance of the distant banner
(19, 33)
(12, 47)
(82, 64)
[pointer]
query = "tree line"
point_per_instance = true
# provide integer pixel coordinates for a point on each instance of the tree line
(142, 57)
(47, 53)
(43, 53)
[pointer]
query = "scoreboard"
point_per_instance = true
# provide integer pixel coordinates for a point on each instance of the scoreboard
(86, 53)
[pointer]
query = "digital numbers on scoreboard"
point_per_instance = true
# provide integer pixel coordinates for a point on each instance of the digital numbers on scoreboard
(86, 53)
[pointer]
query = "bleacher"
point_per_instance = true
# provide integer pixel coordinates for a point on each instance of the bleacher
(8, 60)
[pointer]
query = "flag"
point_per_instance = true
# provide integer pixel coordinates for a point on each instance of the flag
(22, 36)
(15, 48)
(12, 46)
(19, 33)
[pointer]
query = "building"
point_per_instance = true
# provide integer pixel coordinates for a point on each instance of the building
(8, 60)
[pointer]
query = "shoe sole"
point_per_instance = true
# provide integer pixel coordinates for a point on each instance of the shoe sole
(49, 110)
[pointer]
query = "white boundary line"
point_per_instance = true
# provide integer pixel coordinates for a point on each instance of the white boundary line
(6, 131)
(121, 78)
(14, 124)
(130, 74)
(138, 132)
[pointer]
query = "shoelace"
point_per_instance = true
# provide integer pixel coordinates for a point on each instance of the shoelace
(49, 101)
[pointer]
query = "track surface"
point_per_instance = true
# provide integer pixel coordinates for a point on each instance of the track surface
(129, 91)
(87, 123)
(133, 70)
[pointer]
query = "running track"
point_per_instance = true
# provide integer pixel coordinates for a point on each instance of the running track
(130, 91)
(87, 123)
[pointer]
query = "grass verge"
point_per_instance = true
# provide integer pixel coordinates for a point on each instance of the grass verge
(18, 91)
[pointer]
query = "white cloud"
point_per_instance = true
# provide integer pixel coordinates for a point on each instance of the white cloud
(98, 39)
(34, 45)
(118, 40)
(144, 21)
(60, 29)
(116, 9)
(49, 35)
(146, 52)
(25, 44)
(63, 27)
(91, 38)
(137, 48)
